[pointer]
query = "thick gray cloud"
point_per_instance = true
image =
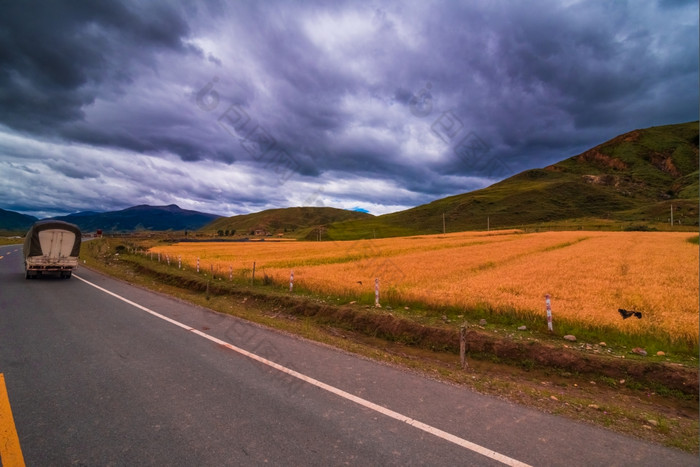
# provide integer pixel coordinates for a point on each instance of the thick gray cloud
(232, 107)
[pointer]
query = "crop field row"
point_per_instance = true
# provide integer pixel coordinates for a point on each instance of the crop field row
(589, 275)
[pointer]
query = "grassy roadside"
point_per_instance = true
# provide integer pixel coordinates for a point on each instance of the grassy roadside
(11, 241)
(632, 403)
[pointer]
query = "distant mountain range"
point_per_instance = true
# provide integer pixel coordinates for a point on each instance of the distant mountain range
(637, 177)
(14, 221)
(135, 218)
(142, 217)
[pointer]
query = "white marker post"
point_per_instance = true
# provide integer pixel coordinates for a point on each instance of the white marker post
(197, 265)
(549, 312)
(376, 293)
(159, 257)
(291, 280)
(179, 262)
(167, 258)
(230, 273)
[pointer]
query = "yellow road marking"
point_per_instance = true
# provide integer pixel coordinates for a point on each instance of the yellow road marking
(10, 451)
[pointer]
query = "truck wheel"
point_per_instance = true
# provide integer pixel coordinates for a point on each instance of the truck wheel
(27, 275)
(67, 275)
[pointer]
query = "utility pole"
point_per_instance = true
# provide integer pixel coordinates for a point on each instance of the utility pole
(672, 215)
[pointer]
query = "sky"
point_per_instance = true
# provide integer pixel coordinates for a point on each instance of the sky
(232, 107)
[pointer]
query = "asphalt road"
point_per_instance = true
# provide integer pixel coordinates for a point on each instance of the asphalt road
(136, 378)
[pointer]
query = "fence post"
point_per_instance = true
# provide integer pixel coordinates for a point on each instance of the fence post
(376, 293)
(549, 312)
(197, 265)
(252, 280)
(179, 262)
(463, 346)
(230, 273)
(291, 280)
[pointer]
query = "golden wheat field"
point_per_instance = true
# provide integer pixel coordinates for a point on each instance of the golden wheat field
(589, 275)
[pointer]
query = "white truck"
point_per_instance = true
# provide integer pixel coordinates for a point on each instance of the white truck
(53, 247)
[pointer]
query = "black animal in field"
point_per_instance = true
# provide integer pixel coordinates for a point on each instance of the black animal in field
(627, 313)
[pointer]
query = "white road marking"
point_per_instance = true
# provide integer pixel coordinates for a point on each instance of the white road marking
(319, 384)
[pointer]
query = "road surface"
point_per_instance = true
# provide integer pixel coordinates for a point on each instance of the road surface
(99, 372)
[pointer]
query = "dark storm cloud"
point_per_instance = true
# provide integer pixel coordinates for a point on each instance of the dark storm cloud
(57, 57)
(266, 103)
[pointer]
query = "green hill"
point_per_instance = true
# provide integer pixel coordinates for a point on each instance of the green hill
(633, 178)
(299, 222)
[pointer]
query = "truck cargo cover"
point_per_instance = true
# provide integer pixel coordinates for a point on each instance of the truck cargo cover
(32, 246)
